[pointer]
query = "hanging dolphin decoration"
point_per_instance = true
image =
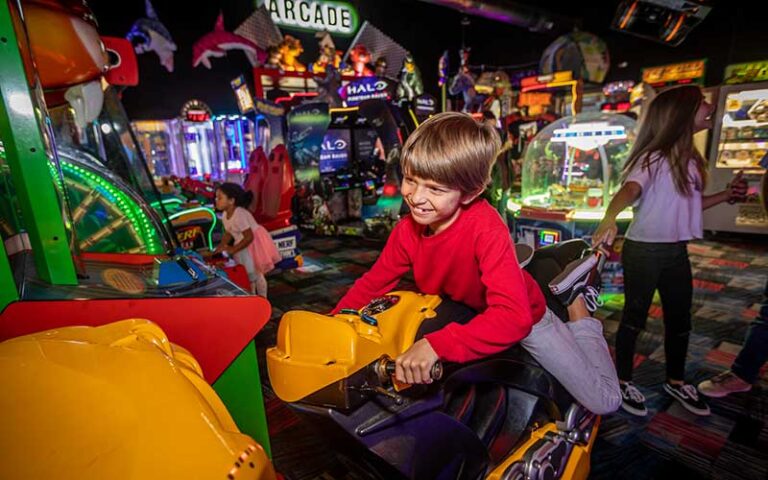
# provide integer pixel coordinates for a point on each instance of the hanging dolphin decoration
(149, 34)
(216, 43)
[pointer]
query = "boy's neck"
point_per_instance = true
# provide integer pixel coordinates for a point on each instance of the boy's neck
(431, 230)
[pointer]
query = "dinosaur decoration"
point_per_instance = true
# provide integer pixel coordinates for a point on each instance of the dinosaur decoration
(329, 56)
(290, 49)
(359, 58)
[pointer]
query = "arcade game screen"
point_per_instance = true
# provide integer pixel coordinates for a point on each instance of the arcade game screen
(335, 150)
(365, 145)
(744, 134)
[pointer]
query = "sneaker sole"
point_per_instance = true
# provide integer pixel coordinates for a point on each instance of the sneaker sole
(721, 394)
(693, 410)
(560, 285)
(633, 410)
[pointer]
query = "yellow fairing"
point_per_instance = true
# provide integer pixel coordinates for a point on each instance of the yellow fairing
(314, 351)
(119, 402)
(578, 465)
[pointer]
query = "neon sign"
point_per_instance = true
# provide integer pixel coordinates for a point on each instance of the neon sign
(746, 73)
(195, 111)
(243, 95)
(366, 88)
(678, 73)
(316, 15)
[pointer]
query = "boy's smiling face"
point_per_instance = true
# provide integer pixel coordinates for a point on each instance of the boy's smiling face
(433, 204)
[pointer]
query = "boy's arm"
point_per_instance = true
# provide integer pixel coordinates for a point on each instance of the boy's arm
(505, 321)
(392, 264)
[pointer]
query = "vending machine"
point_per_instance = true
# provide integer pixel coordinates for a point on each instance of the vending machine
(739, 143)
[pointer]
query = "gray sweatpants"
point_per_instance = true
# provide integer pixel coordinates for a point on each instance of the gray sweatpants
(577, 355)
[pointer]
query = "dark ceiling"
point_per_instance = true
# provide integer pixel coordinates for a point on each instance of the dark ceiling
(734, 32)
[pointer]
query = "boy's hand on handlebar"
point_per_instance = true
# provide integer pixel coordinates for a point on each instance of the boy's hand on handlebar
(414, 366)
(605, 233)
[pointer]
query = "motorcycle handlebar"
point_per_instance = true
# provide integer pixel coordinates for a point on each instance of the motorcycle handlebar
(436, 372)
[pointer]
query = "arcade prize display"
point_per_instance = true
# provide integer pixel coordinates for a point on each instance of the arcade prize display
(739, 143)
(571, 170)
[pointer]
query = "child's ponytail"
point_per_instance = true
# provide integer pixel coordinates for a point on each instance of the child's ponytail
(236, 192)
(245, 199)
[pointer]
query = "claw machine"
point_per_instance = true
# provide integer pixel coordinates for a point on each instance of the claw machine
(740, 141)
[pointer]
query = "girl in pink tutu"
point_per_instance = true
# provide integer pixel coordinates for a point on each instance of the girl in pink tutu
(253, 247)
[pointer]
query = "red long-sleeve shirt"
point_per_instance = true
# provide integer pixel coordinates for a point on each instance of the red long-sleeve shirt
(472, 262)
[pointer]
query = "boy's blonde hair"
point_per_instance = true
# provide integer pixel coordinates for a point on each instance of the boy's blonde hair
(453, 149)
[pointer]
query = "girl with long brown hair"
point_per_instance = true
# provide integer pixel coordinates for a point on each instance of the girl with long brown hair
(664, 179)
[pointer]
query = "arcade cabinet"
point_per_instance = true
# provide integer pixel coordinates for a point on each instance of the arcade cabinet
(236, 138)
(48, 281)
(352, 176)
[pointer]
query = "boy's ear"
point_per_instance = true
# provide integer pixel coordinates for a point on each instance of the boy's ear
(468, 198)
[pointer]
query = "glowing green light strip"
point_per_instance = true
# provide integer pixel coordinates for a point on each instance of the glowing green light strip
(166, 201)
(199, 209)
(515, 207)
(139, 220)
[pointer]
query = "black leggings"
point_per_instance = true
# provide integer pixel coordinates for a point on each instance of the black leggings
(647, 267)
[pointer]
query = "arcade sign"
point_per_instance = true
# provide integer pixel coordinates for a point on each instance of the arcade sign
(335, 150)
(196, 111)
(746, 72)
(190, 237)
(243, 95)
(588, 136)
(366, 88)
(675, 74)
(544, 81)
(424, 105)
(267, 108)
(315, 15)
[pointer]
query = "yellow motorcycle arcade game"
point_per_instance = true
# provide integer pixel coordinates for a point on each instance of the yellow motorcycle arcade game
(115, 401)
(503, 417)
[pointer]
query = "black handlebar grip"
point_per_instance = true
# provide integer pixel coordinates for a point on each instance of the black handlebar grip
(435, 373)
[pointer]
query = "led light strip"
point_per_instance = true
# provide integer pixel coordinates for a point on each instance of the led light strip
(125, 204)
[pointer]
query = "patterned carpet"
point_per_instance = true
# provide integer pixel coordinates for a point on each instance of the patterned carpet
(729, 279)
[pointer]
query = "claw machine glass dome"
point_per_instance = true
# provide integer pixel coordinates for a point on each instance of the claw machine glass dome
(574, 164)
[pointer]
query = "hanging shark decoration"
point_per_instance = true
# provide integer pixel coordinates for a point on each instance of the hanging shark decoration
(216, 43)
(149, 34)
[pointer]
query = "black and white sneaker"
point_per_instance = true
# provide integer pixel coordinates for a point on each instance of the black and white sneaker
(688, 396)
(580, 277)
(632, 401)
(524, 254)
